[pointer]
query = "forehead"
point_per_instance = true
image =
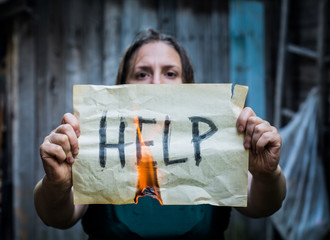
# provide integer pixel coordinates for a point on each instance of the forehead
(156, 52)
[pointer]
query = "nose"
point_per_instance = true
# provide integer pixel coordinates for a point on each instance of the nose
(156, 79)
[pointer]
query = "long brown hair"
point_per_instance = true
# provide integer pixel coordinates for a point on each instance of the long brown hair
(148, 36)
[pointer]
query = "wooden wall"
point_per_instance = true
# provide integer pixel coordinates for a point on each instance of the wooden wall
(56, 44)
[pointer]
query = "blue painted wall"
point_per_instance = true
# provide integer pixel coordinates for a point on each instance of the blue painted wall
(247, 51)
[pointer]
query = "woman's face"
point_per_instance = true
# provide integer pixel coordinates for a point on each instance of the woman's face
(155, 63)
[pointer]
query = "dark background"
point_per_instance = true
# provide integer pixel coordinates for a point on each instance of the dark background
(47, 46)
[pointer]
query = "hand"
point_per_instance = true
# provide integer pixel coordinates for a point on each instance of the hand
(58, 150)
(263, 141)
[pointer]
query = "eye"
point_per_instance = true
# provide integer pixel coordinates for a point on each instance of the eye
(171, 74)
(141, 75)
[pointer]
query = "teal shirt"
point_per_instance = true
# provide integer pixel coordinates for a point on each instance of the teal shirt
(150, 220)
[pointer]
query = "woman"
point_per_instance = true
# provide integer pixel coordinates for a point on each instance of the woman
(154, 58)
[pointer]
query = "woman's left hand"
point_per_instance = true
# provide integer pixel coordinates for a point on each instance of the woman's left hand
(263, 141)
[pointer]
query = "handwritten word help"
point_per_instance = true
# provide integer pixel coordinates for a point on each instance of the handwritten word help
(196, 139)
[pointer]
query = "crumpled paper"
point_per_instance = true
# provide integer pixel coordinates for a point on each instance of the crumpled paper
(190, 132)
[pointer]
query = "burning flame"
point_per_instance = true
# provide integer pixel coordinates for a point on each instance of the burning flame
(147, 184)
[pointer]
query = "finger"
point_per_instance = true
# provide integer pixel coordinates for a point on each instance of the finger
(67, 129)
(271, 140)
(259, 130)
(53, 157)
(63, 141)
(243, 119)
(50, 152)
(70, 119)
(249, 130)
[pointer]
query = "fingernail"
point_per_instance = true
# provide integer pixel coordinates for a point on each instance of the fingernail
(77, 133)
(70, 160)
(247, 145)
(240, 128)
(75, 151)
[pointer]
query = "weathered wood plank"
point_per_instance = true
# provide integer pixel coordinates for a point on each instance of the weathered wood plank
(12, 112)
(220, 42)
(73, 25)
(24, 145)
(203, 31)
(187, 30)
(52, 100)
(137, 16)
(21, 120)
(247, 63)
(112, 40)
(44, 96)
(167, 12)
(92, 41)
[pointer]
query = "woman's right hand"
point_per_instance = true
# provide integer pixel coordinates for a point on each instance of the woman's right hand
(57, 153)
(53, 195)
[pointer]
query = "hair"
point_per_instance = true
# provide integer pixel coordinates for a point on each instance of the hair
(149, 36)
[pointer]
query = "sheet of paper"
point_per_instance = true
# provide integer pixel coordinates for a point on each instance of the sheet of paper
(189, 132)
